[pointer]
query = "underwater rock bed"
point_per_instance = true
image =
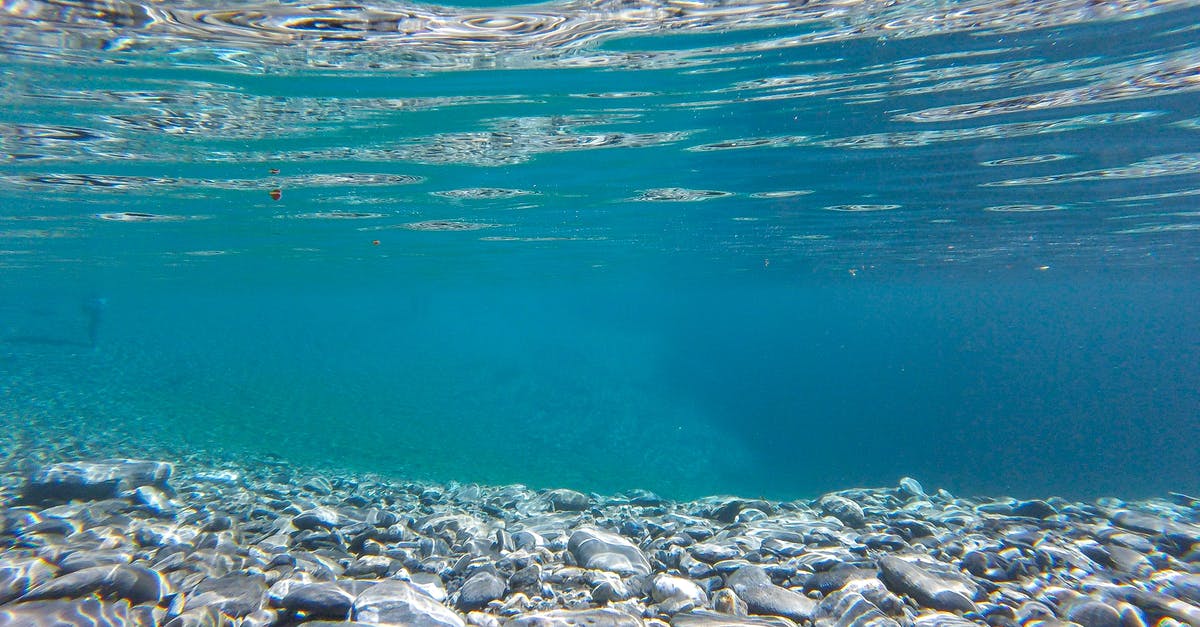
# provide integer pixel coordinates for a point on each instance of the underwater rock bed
(129, 542)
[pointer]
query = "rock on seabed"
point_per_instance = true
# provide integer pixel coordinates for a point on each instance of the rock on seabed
(132, 542)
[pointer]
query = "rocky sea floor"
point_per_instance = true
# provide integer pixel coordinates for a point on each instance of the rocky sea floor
(129, 542)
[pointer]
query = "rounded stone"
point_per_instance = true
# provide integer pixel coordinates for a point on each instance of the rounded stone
(601, 550)
(676, 594)
(319, 600)
(399, 602)
(480, 589)
(568, 500)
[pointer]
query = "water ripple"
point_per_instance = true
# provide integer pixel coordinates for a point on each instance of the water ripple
(679, 194)
(401, 35)
(860, 208)
(1161, 228)
(137, 216)
(1025, 160)
(482, 193)
(783, 193)
(448, 225)
(908, 139)
(112, 182)
(1023, 208)
(1168, 74)
(1162, 165)
(334, 215)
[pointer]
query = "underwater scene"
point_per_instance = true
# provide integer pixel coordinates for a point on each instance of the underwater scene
(837, 313)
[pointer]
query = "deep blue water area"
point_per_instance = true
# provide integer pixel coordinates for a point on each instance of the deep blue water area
(751, 385)
(766, 249)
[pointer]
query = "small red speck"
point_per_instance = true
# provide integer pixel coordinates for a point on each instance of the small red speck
(274, 170)
(276, 194)
(374, 242)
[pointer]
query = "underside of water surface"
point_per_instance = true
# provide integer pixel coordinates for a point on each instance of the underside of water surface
(762, 248)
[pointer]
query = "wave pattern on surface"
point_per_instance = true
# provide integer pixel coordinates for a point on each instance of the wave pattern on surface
(402, 35)
(832, 134)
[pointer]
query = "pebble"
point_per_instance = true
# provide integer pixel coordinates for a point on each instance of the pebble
(929, 589)
(676, 594)
(727, 602)
(610, 589)
(568, 500)
(1033, 509)
(753, 585)
(319, 600)
(314, 519)
(73, 612)
(850, 513)
(707, 619)
(136, 584)
(911, 488)
(527, 578)
(712, 553)
(154, 500)
(480, 589)
(89, 481)
(80, 560)
(601, 550)
(398, 602)
(577, 618)
(234, 594)
(20, 574)
(1091, 613)
(429, 583)
(846, 608)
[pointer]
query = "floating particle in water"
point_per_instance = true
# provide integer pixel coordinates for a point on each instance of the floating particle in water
(860, 208)
(374, 242)
(679, 194)
(275, 194)
(479, 193)
(273, 171)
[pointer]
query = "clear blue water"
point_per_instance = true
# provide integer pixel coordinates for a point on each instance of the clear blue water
(764, 249)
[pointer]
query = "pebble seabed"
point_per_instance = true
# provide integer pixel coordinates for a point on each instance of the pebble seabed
(135, 542)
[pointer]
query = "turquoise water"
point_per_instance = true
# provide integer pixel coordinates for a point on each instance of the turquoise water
(765, 249)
